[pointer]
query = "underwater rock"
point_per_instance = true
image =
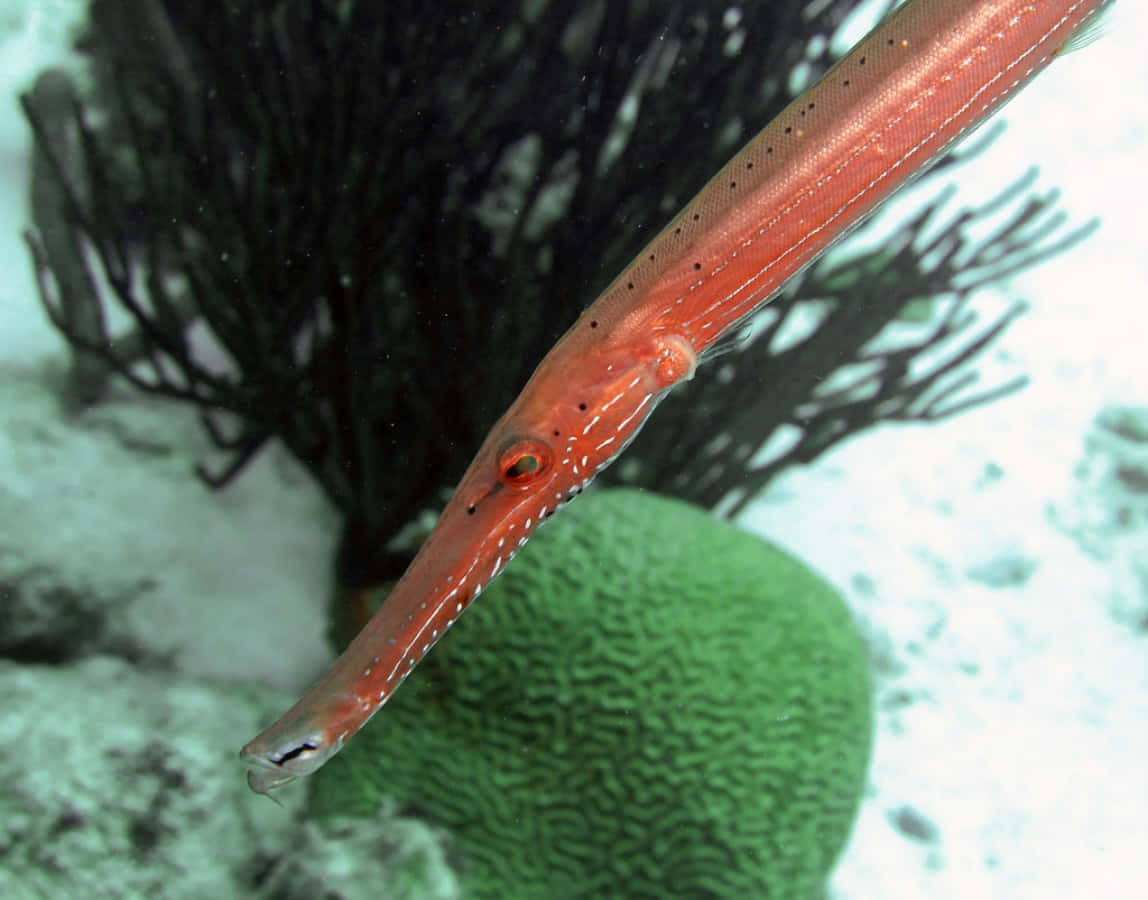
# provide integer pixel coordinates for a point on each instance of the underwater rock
(121, 782)
(1010, 569)
(45, 617)
(1108, 512)
(108, 547)
(118, 782)
(914, 824)
(1112, 494)
(648, 703)
(362, 859)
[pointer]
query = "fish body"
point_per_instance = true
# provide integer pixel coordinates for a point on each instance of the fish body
(921, 80)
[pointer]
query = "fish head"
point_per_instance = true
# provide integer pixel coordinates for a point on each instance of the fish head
(577, 413)
(276, 759)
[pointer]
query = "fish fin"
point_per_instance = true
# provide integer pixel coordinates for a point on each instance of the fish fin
(1090, 31)
(734, 341)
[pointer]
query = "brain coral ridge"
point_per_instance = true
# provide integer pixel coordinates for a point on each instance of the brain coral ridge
(648, 703)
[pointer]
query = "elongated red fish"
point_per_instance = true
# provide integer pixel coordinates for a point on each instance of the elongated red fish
(919, 81)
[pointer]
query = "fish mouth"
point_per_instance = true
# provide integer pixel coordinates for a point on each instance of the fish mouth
(264, 776)
(268, 770)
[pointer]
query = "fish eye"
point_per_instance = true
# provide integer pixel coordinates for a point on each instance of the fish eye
(301, 751)
(522, 462)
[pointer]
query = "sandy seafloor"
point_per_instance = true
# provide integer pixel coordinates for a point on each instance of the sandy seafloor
(1013, 712)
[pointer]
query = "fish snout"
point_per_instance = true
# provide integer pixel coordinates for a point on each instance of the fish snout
(273, 767)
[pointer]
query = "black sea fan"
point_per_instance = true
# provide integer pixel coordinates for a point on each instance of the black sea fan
(381, 215)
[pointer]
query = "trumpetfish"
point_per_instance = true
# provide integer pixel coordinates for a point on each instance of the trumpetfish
(919, 81)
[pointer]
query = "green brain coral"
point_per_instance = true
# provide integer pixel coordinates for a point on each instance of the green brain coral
(649, 703)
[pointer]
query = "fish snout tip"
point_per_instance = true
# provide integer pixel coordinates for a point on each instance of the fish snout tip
(273, 764)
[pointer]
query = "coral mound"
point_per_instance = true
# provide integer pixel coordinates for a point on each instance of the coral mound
(649, 703)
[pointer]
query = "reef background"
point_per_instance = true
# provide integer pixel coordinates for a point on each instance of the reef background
(1014, 676)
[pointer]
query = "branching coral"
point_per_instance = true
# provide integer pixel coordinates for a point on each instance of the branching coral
(380, 216)
(648, 703)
